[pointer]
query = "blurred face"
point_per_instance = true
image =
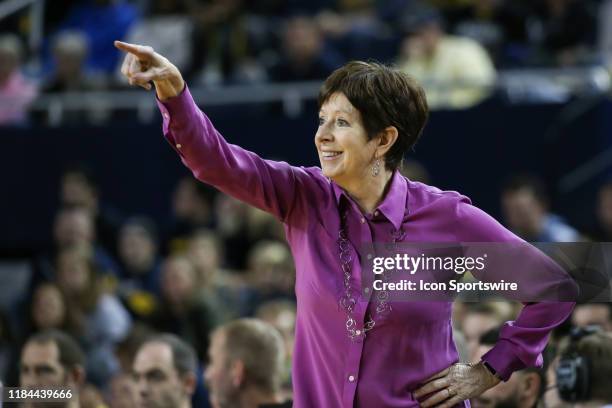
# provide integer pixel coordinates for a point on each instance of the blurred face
(122, 392)
(136, 248)
(204, 255)
(157, 383)
(73, 227)
(223, 392)
(75, 190)
(73, 273)
(302, 40)
(341, 140)
(48, 309)
(40, 366)
(522, 211)
(587, 315)
(178, 280)
(475, 325)
(184, 200)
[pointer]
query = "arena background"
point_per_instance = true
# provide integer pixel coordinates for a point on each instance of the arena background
(73, 135)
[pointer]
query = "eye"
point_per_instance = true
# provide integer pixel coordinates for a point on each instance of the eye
(321, 121)
(342, 122)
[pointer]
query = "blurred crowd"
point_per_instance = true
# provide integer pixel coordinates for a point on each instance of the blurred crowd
(111, 287)
(443, 43)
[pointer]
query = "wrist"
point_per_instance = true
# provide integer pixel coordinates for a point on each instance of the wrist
(491, 372)
(170, 86)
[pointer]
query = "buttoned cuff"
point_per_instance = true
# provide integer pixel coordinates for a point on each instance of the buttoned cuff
(503, 359)
(176, 108)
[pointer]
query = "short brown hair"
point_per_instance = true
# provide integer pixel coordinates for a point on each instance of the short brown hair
(70, 353)
(260, 348)
(384, 97)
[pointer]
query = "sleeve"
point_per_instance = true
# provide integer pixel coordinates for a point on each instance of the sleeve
(268, 185)
(522, 341)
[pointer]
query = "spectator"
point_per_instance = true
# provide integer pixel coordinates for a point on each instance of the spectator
(52, 359)
(281, 315)
(501, 26)
(102, 22)
(566, 30)
(78, 188)
(589, 387)
(456, 72)
(102, 320)
(184, 310)
(246, 365)
(524, 389)
(70, 50)
(139, 286)
(271, 273)
(593, 314)
(305, 56)
(525, 206)
(191, 211)
(49, 310)
(478, 319)
(122, 392)
(226, 290)
(16, 92)
(221, 45)
(74, 227)
(164, 373)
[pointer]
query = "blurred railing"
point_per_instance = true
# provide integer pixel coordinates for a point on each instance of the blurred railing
(517, 86)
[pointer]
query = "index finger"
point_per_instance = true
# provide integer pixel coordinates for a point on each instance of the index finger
(138, 50)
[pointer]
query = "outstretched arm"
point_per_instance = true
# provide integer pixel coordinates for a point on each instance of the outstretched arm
(269, 185)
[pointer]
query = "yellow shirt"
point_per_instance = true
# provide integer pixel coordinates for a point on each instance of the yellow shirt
(458, 75)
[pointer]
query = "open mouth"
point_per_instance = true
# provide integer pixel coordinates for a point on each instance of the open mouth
(330, 155)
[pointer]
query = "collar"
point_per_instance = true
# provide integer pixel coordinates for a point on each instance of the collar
(393, 205)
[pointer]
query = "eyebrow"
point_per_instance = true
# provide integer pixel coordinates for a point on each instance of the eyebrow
(340, 111)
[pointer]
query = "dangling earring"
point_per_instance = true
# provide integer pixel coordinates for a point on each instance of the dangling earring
(376, 168)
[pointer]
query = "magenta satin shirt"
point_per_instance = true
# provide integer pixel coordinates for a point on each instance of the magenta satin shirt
(415, 340)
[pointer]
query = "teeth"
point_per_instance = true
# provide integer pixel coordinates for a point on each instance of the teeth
(330, 154)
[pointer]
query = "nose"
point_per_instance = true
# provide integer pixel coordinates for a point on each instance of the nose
(323, 134)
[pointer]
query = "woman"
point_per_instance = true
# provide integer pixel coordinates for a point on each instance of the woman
(370, 116)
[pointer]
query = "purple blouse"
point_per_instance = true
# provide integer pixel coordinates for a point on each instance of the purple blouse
(415, 340)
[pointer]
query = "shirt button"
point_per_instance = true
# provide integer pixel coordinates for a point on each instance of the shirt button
(178, 145)
(362, 220)
(366, 290)
(369, 256)
(358, 332)
(376, 213)
(351, 378)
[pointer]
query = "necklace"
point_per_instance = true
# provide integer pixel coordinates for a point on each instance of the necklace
(348, 300)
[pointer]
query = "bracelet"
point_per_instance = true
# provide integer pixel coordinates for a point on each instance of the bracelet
(491, 369)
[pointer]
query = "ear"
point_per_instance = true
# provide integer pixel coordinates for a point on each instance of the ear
(77, 376)
(189, 383)
(237, 373)
(530, 385)
(386, 138)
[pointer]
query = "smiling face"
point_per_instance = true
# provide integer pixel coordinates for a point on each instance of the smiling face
(344, 150)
